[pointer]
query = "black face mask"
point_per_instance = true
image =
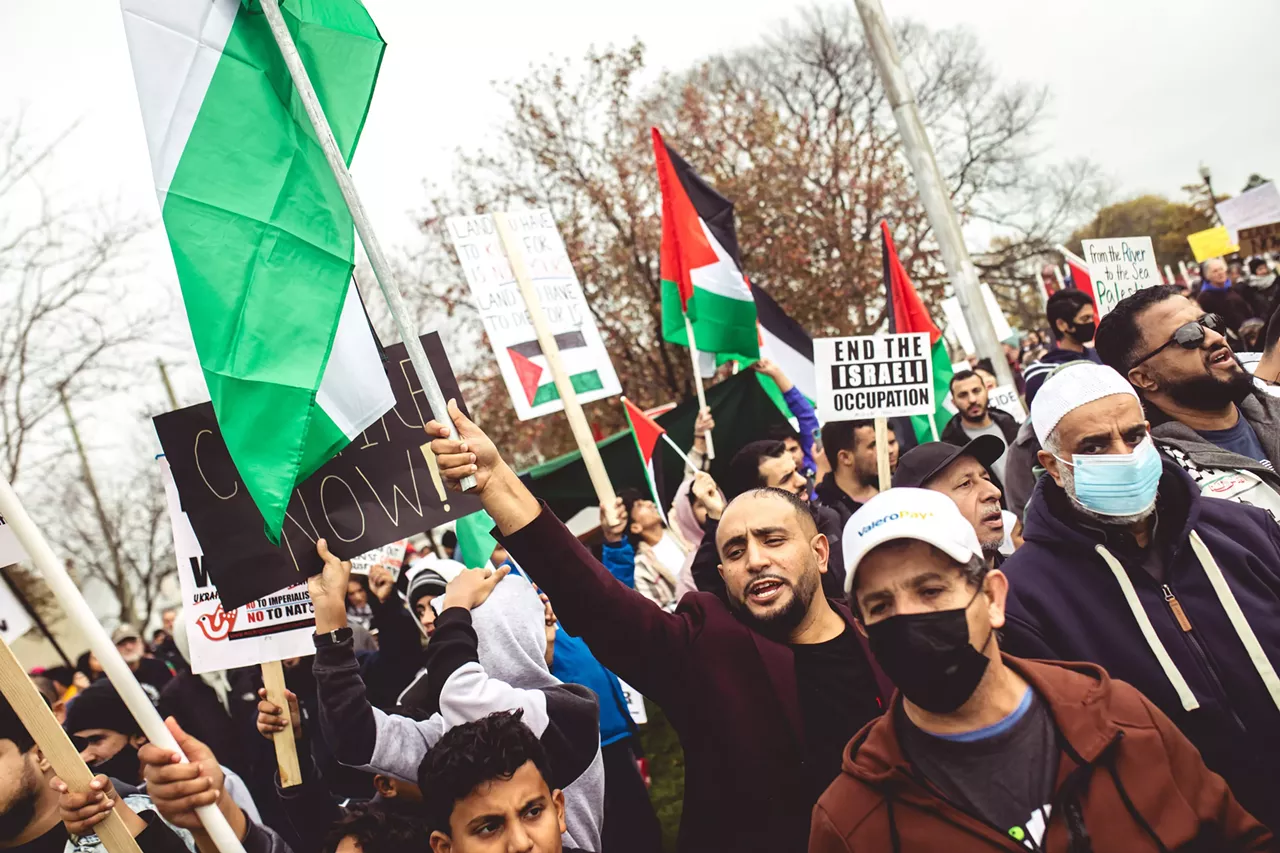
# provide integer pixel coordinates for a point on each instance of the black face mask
(929, 657)
(124, 765)
(1083, 332)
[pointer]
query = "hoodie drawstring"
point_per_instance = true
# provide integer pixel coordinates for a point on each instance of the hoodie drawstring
(893, 823)
(1238, 621)
(1171, 672)
(1133, 811)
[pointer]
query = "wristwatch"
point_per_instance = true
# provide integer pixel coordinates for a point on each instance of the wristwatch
(332, 638)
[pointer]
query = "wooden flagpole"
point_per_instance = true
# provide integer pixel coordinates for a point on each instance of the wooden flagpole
(43, 727)
(399, 310)
(697, 381)
(117, 670)
(882, 452)
(547, 341)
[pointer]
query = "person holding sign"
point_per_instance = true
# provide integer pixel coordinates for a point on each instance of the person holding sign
(764, 690)
(853, 480)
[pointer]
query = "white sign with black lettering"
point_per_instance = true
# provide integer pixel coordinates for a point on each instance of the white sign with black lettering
(1006, 399)
(873, 376)
(277, 627)
(635, 703)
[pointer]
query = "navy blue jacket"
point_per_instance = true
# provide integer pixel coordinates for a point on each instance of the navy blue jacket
(1065, 603)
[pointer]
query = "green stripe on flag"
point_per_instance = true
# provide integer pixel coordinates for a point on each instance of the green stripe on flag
(475, 539)
(941, 386)
(720, 324)
(582, 383)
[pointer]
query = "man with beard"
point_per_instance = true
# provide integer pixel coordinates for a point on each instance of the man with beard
(152, 674)
(1199, 401)
(108, 738)
(964, 475)
(981, 750)
(34, 804)
(764, 690)
(1125, 565)
(854, 478)
(977, 418)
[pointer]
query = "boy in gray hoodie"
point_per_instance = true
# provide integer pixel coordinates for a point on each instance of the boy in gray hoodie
(487, 654)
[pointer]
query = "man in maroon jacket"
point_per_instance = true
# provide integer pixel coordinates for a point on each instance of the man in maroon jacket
(764, 691)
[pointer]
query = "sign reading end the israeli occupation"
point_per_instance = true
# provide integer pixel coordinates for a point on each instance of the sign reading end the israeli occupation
(873, 376)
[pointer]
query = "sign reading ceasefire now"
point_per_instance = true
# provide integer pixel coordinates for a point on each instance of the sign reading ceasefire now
(873, 376)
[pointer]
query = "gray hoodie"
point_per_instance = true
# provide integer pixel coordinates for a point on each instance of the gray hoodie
(478, 662)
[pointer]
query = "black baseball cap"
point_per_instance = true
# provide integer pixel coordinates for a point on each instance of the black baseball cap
(923, 462)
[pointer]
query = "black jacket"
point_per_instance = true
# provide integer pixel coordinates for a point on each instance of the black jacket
(954, 433)
(832, 496)
(706, 574)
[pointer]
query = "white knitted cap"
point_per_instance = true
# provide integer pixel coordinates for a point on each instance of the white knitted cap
(1070, 387)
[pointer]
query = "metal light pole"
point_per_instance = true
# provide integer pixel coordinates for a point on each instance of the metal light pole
(937, 203)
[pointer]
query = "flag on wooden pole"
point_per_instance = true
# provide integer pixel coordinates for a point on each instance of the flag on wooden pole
(701, 265)
(261, 237)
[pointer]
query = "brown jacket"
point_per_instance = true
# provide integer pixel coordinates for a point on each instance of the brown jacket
(1127, 781)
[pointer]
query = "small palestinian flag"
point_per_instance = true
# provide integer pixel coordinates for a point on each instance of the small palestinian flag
(535, 376)
(647, 434)
(907, 314)
(701, 264)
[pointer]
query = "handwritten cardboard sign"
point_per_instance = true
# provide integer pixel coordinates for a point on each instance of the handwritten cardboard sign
(1120, 267)
(379, 489)
(873, 376)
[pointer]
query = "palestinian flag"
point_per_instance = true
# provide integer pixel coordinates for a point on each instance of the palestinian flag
(261, 238)
(1081, 279)
(535, 375)
(701, 264)
(647, 434)
(907, 314)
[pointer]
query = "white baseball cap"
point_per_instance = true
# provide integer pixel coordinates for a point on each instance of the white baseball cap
(1070, 387)
(903, 513)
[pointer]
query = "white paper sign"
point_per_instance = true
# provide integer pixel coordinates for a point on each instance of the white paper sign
(635, 703)
(956, 322)
(1258, 206)
(1006, 399)
(873, 376)
(14, 620)
(506, 320)
(11, 550)
(276, 627)
(1120, 267)
(390, 556)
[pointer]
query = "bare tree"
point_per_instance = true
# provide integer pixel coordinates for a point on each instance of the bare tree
(64, 309)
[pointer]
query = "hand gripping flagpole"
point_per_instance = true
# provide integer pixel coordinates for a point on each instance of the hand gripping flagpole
(405, 326)
(122, 678)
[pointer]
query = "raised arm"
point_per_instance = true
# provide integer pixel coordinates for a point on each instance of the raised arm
(628, 633)
(800, 407)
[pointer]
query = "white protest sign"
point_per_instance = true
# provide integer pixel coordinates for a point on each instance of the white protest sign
(1006, 399)
(1258, 206)
(956, 322)
(14, 619)
(389, 556)
(635, 703)
(880, 376)
(506, 320)
(11, 550)
(273, 628)
(1120, 267)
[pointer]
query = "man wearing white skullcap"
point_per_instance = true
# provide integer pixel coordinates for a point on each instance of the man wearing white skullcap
(1124, 564)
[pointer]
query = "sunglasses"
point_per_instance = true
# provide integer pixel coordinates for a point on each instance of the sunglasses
(1188, 336)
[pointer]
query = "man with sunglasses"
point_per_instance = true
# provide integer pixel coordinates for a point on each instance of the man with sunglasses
(1199, 398)
(1124, 564)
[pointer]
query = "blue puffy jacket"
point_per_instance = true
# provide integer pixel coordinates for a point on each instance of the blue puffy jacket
(1076, 595)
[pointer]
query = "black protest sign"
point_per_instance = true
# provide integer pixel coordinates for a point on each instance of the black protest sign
(377, 490)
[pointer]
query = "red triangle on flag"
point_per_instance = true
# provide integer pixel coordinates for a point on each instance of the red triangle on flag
(1083, 280)
(684, 244)
(528, 372)
(645, 429)
(909, 313)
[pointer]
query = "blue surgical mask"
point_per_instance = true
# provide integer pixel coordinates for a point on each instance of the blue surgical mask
(1118, 484)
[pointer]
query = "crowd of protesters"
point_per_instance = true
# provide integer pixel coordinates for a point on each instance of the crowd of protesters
(1059, 634)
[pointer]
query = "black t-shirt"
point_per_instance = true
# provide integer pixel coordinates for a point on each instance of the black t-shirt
(53, 841)
(1005, 773)
(153, 675)
(838, 696)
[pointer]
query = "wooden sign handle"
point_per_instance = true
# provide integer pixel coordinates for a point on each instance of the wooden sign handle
(43, 726)
(286, 746)
(882, 452)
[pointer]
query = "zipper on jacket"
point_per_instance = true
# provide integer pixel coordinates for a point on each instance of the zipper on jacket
(1180, 616)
